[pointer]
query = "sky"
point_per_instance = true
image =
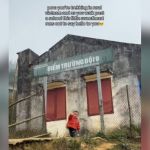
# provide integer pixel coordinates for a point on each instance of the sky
(27, 27)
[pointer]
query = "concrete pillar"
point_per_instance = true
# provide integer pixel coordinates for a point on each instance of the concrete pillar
(24, 80)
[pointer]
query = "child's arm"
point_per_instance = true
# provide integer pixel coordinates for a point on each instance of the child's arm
(70, 116)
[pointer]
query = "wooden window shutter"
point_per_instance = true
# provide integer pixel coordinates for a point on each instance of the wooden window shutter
(61, 103)
(56, 104)
(51, 97)
(92, 97)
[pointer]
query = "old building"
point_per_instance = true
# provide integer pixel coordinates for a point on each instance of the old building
(77, 89)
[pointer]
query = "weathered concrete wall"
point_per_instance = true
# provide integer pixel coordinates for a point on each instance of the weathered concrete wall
(75, 45)
(37, 108)
(26, 86)
(77, 100)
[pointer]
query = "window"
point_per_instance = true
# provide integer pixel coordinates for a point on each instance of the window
(56, 104)
(92, 97)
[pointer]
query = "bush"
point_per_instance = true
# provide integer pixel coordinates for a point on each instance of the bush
(121, 146)
(65, 144)
(74, 145)
(136, 130)
(89, 142)
(102, 135)
(121, 133)
(59, 144)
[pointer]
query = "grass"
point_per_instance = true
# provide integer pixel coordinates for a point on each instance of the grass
(64, 144)
(124, 139)
(127, 146)
(121, 133)
(121, 146)
(102, 135)
(121, 137)
(54, 144)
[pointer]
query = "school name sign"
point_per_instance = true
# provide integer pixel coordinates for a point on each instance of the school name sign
(73, 63)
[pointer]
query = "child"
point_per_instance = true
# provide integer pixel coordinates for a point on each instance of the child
(73, 124)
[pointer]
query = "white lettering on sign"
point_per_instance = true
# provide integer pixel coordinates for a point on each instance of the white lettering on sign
(73, 63)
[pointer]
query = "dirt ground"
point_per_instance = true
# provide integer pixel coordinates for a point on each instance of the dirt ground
(114, 146)
(75, 144)
(105, 146)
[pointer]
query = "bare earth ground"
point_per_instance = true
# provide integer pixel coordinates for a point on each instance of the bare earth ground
(105, 146)
(111, 146)
(46, 144)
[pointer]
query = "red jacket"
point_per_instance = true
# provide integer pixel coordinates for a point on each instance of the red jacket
(73, 122)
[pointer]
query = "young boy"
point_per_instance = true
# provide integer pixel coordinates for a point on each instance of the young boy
(73, 124)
